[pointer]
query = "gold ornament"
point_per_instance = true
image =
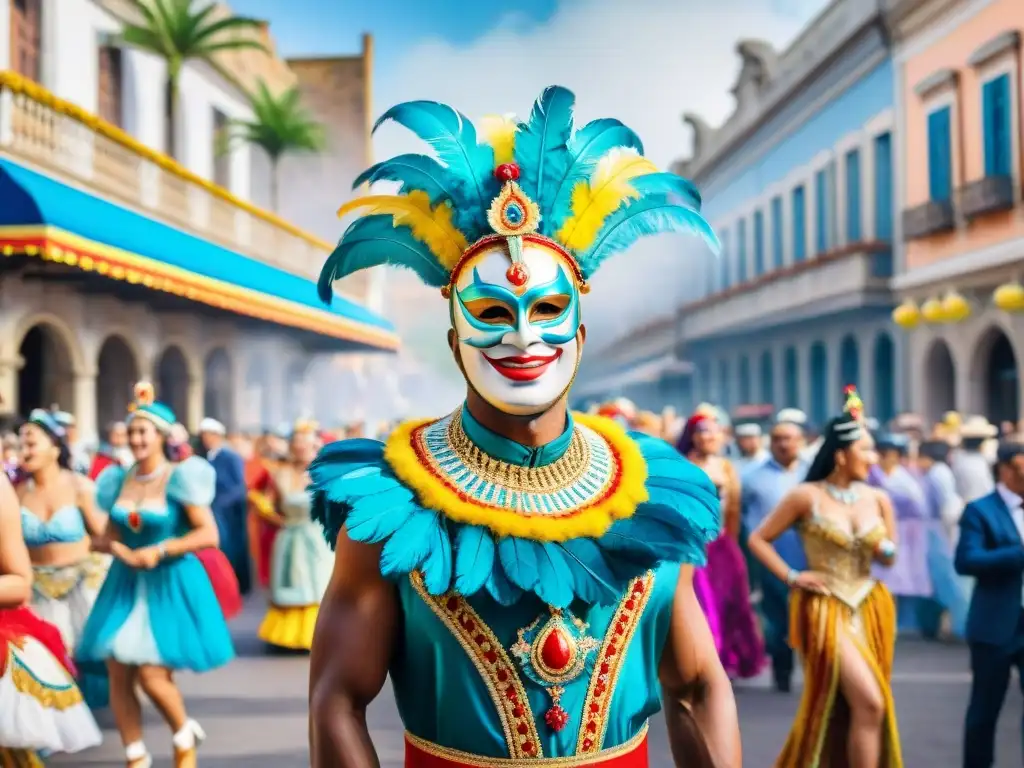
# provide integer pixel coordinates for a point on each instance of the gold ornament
(932, 312)
(907, 315)
(1009, 297)
(955, 307)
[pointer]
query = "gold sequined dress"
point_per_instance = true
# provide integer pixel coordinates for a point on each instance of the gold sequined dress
(858, 606)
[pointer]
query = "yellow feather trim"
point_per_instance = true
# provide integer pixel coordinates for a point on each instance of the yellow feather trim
(500, 132)
(263, 506)
(431, 226)
(595, 200)
(592, 521)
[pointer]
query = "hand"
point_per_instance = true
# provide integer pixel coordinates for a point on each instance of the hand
(148, 558)
(124, 554)
(811, 582)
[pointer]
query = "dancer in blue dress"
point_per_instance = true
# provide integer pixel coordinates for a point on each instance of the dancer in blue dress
(157, 611)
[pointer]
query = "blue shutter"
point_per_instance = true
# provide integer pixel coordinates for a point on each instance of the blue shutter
(821, 212)
(996, 116)
(724, 258)
(883, 187)
(741, 250)
(758, 243)
(744, 380)
(940, 176)
(799, 225)
(853, 230)
(777, 254)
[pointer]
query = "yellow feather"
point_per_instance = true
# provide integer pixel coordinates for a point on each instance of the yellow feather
(595, 200)
(500, 133)
(431, 226)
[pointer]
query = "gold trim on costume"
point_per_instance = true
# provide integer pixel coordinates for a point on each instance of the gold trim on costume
(596, 706)
(472, 761)
(51, 698)
(492, 662)
(19, 758)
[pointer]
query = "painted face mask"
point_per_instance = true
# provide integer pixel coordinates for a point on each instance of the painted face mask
(518, 343)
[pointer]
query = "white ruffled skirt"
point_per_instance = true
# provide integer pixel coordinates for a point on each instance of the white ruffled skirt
(64, 595)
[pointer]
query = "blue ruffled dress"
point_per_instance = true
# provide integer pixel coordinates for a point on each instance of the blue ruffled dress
(168, 616)
(478, 608)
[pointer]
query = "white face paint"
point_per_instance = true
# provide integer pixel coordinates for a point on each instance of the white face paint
(518, 344)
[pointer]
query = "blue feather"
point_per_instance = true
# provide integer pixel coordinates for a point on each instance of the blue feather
(388, 496)
(453, 137)
(404, 554)
(437, 565)
(646, 216)
(414, 172)
(372, 523)
(519, 559)
(541, 145)
(375, 240)
(587, 146)
(499, 587)
(474, 558)
(677, 189)
(555, 578)
(593, 579)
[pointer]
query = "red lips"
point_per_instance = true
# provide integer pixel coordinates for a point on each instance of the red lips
(524, 367)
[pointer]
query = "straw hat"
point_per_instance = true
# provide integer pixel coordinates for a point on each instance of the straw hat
(978, 427)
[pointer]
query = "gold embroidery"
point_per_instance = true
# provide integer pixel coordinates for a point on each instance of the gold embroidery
(50, 697)
(493, 664)
(456, 757)
(19, 758)
(57, 582)
(596, 706)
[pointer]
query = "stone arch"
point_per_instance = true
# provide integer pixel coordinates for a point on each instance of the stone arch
(883, 366)
(219, 387)
(173, 377)
(57, 325)
(995, 377)
(767, 374)
(940, 378)
(46, 376)
(849, 361)
(117, 372)
(818, 363)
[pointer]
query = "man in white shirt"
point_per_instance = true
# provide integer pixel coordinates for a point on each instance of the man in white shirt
(991, 549)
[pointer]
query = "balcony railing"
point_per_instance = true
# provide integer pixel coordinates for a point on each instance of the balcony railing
(66, 141)
(988, 195)
(928, 219)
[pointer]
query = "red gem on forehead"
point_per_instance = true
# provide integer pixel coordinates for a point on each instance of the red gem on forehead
(517, 274)
(506, 172)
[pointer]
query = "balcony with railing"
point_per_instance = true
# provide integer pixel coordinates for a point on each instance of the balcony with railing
(854, 275)
(76, 147)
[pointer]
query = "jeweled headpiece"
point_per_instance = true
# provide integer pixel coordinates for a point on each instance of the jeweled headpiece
(145, 406)
(586, 194)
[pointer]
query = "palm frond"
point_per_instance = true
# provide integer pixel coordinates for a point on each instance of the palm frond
(280, 124)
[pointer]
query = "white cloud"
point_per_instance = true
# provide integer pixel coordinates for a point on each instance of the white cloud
(643, 61)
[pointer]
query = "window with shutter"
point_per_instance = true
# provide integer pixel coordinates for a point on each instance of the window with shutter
(940, 176)
(995, 97)
(725, 258)
(758, 243)
(853, 216)
(799, 224)
(741, 250)
(110, 95)
(26, 38)
(221, 158)
(821, 205)
(777, 241)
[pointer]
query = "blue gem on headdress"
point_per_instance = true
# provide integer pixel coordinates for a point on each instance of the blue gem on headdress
(514, 214)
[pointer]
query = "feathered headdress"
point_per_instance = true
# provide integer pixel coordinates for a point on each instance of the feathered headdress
(854, 405)
(588, 193)
(146, 406)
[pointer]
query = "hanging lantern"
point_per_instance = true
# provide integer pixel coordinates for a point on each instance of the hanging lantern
(1009, 297)
(932, 312)
(907, 316)
(955, 308)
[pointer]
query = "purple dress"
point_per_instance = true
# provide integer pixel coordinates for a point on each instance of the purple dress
(723, 590)
(909, 576)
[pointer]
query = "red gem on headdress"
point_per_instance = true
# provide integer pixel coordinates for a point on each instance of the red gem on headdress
(849, 389)
(517, 274)
(506, 172)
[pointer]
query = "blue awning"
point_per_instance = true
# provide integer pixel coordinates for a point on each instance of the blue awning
(41, 214)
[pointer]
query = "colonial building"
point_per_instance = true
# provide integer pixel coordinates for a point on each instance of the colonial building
(958, 79)
(798, 183)
(134, 249)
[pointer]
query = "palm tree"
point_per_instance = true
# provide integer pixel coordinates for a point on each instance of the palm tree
(178, 32)
(280, 126)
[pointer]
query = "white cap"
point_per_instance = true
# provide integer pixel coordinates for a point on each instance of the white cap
(747, 430)
(212, 426)
(791, 416)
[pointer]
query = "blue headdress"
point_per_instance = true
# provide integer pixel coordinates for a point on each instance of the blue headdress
(588, 194)
(146, 407)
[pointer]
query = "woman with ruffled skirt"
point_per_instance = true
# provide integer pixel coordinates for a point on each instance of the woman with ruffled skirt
(41, 708)
(158, 611)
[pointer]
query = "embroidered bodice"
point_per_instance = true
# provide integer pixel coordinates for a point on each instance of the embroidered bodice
(845, 557)
(294, 505)
(191, 482)
(65, 526)
(535, 583)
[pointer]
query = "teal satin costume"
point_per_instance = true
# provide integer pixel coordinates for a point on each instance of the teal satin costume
(469, 598)
(168, 616)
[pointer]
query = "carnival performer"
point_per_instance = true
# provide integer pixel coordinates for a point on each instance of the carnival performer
(113, 450)
(301, 561)
(843, 621)
(723, 585)
(61, 525)
(909, 578)
(537, 562)
(41, 708)
(158, 611)
(262, 520)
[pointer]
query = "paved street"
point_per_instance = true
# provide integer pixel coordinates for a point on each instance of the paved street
(255, 713)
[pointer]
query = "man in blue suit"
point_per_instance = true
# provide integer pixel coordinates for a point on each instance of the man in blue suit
(229, 504)
(991, 549)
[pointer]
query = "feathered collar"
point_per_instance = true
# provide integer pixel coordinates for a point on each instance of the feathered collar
(433, 503)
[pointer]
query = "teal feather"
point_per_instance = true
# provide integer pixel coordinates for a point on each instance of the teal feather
(645, 216)
(519, 559)
(372, 241)
(674, 187)
(554, 576)
(437, 565)
(474, 559)
(499, 586)
(404, 554)
(593, 580)
(541, 145)
(386, 497)
(586, 147)
(370, 523)
(453, 137)
(414, 172)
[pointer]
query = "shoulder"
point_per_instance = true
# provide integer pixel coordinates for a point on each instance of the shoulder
(82, 484)
(108, 484)
(342, 474)
(193, 482)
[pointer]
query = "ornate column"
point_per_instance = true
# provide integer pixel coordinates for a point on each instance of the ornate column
(84, 405)
(196, 403)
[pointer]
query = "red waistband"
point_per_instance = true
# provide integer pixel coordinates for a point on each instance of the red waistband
(422, 754)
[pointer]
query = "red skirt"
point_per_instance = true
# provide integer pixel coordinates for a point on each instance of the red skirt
(223, 580)
(423, 754)
(16, 623)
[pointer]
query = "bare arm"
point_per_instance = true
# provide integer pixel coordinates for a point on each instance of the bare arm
(696, 690)
(889, 520)
(792, 509)
(355, 635)
(731, 512)
(95, 521)
(203, 533)
(15, 566)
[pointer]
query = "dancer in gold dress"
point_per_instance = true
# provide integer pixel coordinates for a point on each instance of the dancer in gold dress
(842, 621)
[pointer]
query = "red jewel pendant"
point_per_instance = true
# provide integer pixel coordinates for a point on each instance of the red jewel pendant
(517, 274)
(556, 718)
(135, 521)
